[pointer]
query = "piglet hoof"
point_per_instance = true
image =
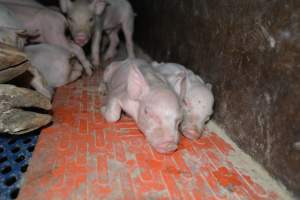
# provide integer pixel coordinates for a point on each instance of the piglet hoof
(88, 68)
(102, 89)
(46, 91)
(109, 60)
(89, 72)
(192, 135)
(103, 110)
(96, 63)
(109, 56)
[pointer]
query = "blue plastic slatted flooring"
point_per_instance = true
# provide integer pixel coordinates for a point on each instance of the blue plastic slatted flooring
(15, 153)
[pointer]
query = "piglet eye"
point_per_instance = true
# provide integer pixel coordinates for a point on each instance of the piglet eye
(91, 19)
(70, 19)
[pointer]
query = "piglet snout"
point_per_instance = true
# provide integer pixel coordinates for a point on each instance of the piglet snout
(166, 147)
(81, 39)
(192, 134)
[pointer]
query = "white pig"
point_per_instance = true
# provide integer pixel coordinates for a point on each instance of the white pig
(57, 64)
(134, 87)
(12, 31)
(51, 26)
(22, 2)
(88, 20)
(197, 98)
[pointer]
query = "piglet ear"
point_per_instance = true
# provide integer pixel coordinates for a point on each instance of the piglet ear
(98, 6)
(65, 5)
(180, 86)
(137, 84)
(209, 86)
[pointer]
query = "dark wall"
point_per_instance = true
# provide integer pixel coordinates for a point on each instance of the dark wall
(250, 51)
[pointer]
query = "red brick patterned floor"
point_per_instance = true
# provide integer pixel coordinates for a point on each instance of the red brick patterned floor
(82, 157)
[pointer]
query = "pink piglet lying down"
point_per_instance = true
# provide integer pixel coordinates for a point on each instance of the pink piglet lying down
(135, 88)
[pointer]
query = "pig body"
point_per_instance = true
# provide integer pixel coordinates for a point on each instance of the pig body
(9, 25)
(12, 30)
(51, 26)
(88, 20)
(8, 18)
(26, 2)
(57, 64)
(197, 98)
(143, 94)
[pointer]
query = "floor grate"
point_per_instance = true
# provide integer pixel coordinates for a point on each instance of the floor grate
(15, 153)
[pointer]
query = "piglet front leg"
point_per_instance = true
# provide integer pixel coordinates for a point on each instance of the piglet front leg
(61, 40)
(111, 110)
(82, 58)
(128, 27)
(96, 47)
(114, 41)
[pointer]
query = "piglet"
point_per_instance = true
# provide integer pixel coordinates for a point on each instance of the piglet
(56, 64)
(24, 3)
(50, 24)
(134, 87)
(196, 98)
(88, 19)
(14, 33)
(12, 30)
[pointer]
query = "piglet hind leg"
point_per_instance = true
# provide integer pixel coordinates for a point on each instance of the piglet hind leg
(127, 27)
(40, 84)
(74, 75)
(75, 72)
(111, 111)
(114, 42)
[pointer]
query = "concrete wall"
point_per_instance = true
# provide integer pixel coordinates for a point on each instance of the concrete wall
(250, 51)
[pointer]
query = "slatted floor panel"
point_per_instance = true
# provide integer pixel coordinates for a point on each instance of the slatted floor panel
(15, 154)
